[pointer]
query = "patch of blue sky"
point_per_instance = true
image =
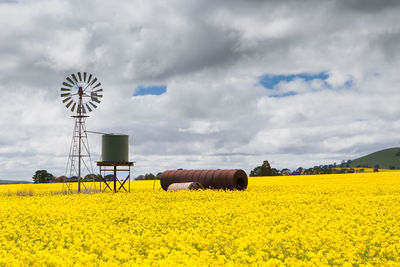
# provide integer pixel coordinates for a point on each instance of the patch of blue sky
(291, 93)
(349, 83)
(150, 90)
(270, 81)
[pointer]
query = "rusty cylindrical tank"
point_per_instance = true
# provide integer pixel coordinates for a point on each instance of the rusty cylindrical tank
(214, 179)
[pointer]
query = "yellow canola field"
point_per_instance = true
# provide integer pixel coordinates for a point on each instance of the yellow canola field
(344, 219)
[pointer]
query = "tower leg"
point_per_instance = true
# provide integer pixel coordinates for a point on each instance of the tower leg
(79, 160)
(115, 179)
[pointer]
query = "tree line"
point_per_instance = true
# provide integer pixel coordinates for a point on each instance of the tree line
(42, 176)
(266, 170)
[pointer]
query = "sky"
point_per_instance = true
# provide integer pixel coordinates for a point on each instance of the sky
(201, 84)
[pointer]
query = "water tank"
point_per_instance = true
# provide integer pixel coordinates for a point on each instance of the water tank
(115, 148)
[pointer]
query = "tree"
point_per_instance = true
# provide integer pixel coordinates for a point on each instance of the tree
(60, 179)
(109, 177)
(140, 177)
(42, 176)
(274, 172)
(309, 171)
(147, 176)
(92, 177)
(264, 170)
(285, 171)
(298, 171)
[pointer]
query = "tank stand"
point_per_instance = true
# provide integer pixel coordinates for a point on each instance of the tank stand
(113, 168)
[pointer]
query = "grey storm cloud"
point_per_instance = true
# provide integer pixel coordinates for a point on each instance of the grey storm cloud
(210, 55)
(369, 6)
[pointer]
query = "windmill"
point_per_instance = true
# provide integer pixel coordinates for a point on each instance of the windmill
(81, 94)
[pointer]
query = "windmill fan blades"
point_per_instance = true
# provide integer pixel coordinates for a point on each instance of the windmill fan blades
(93, 95)
(94, 81)
(69, 104)
(69, 80)
(81, 92)
(88, 107)
(74, 77)
(97, 85)
(95, 100)
(66, 99)
(66, 84)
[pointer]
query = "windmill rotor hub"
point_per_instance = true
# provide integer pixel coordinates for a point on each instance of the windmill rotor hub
(81, 92)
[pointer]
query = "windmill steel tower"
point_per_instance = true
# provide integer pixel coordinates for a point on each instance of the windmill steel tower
(79, 93)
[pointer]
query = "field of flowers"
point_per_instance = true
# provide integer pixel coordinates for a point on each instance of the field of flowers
(348, 219)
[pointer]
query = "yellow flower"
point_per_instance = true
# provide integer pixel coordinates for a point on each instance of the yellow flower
(343, 219)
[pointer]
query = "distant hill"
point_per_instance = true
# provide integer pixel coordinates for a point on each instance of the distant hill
(384, 159)
(14, 182)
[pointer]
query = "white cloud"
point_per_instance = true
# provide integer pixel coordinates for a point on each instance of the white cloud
(210, 55)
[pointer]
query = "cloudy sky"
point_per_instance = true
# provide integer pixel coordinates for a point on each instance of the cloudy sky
(202, 84)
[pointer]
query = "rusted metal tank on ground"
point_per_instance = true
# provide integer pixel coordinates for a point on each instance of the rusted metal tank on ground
(185, 186)
(214, 179)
